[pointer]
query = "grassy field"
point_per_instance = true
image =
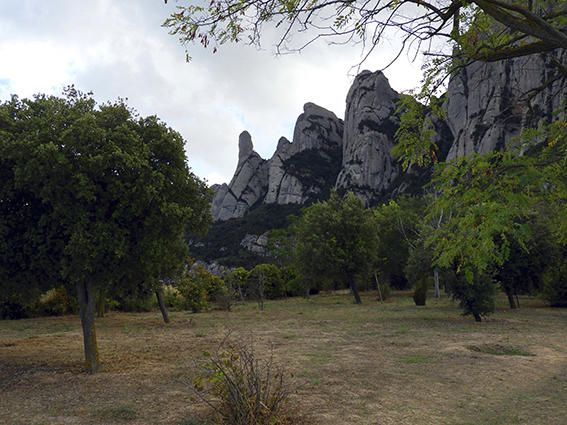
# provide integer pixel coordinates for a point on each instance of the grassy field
(379, 364)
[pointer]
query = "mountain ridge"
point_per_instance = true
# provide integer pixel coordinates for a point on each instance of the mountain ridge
(486, 106)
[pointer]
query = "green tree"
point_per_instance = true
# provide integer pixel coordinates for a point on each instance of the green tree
(483, 215)
(236, 280)
(397, 223)
(496, 204)
(95, 198)
(265, 281)
(337, 239)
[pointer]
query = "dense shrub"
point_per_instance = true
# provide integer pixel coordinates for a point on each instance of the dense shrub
(194, 294)
(55, 302)
(420, 291)
(555, 284)
(294, 283)
(199, 288)
(216, 289)
(266, 280)
(243, 390)
(476, 297)
(172, 297)
(297, 286)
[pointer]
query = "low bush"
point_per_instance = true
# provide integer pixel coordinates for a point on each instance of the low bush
(172, 297)
(476, 297)
(216, 290)
(194, 294)
(243, 390)
(420, 292)
(55, 302)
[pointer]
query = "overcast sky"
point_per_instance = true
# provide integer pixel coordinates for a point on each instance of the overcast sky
(117, 48)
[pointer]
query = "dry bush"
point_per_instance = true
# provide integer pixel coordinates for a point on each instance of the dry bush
(244, 390)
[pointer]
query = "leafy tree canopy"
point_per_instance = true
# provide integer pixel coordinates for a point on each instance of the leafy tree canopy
(490, 205)
(337, 239)
(92, 197)
(398, 226)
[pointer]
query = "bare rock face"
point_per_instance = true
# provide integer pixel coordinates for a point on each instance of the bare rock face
(317, 136)
(489, 104)
(368, 168)
(256, 244)
(247, 187)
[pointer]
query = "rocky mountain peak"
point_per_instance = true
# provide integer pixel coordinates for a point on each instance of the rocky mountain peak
(248, 185)
(368, 168)
(283, 143)
(487, 105)
(245, 146)
(317, 139)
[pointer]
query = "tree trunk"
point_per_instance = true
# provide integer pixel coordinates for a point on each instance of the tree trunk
(436, 279)
(261, 292)
(240, 293)
(511, 301)
(87, 306)
(354, 289)
(378, 287)
(161, 303)
(477, 317)
(100, 304)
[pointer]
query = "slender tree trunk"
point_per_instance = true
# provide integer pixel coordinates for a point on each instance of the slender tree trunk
(378, 287)
(354, 289)
(161, 303)
(100, 304)
(240, 293)
(436, 279)
(261, 292)
(87, 306)
(477, 317)
(511, 299)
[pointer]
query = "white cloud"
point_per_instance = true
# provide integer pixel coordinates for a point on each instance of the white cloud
(119, 49)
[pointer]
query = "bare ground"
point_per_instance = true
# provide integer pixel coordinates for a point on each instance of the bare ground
(375, 364)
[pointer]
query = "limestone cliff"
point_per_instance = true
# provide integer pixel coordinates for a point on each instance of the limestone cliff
(489, 104)
(247, 187)
(368, 168)
(297, 172)
(318, 137)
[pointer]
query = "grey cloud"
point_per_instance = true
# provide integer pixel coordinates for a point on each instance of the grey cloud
(119, 49)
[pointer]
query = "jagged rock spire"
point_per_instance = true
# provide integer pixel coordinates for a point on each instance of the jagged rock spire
(368, 168)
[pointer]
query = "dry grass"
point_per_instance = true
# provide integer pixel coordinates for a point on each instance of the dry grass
(375, 364)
